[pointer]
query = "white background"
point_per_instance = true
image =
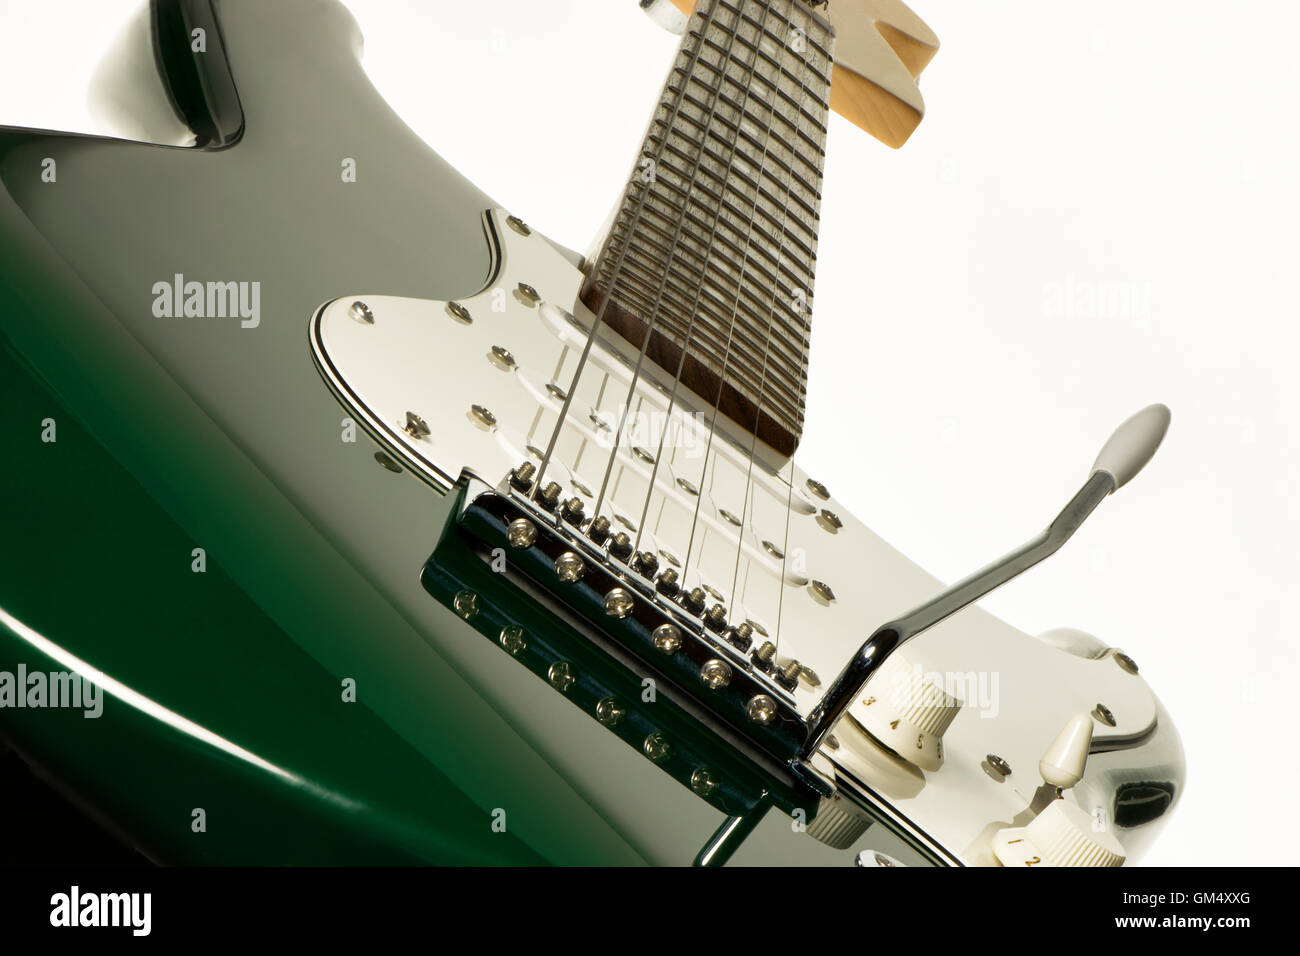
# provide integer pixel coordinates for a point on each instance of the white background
(1098, 212)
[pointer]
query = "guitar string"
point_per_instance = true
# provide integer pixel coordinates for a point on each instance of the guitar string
(714, 96)
(694, 309)
(731, 332)
(753, 446)
(709, 16)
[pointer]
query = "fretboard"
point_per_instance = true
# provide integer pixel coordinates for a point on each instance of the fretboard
(714, 246)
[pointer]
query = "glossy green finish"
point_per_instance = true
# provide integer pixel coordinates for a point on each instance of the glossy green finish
(92, 563)
(233, 438)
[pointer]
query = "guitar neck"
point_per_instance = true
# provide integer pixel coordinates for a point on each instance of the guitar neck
(713, 249)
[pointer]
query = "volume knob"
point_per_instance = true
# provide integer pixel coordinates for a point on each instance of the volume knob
(906, 712)
(1062, 835)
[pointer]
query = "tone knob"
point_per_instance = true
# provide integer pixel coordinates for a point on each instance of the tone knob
(1062, 835)
(838, 823)
(906, 712)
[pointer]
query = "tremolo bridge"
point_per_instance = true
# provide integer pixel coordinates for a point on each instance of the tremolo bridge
(665, 668)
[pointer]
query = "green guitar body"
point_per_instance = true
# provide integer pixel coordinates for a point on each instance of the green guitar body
(232, 735)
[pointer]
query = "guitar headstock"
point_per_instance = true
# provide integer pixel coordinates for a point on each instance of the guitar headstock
(881, 49)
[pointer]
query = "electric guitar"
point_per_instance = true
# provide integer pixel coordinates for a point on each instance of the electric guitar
(392, 531)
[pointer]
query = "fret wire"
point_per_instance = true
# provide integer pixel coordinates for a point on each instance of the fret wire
(793, 277)
(749, 180)
(698, 135)
(595, 325)
(672, 399)
(726, 359)
(618, 435)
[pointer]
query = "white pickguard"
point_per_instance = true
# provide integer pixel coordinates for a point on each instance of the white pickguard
(417, 357)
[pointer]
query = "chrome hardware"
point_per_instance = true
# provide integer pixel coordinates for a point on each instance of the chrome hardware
(569, 567)
(521, 533)
(598, 531)
(619, 603)
(361, 312)
(621, 546)
(550, 496)
(715, 674)
(514, 640)
(416, 426)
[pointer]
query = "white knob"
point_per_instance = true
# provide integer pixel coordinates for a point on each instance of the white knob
(1062, 835)
(906, 712)
(1063, 762)
(838, 823)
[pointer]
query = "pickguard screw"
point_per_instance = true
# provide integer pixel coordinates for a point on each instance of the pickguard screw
(822, 591)
(518, 225)
(1126, 662)
(483, 418)
(818, 489)
(715, 674)
(501, 358)
(609, 711)
(761, 709)
(703, 782)
(656, 747)
(466, 604)
(667, 639)
(1000, 766)
(416, 426)
(619, 603)
(830, 521)
(361, 312)
(459, 313)
(521, 533)
(561, 676)
(513, 639)
(529, 294)
(569, 567)
(1102, 713)
(764, 656)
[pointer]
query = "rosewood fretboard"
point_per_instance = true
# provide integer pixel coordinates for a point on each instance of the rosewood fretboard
(714, 246)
